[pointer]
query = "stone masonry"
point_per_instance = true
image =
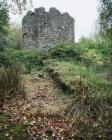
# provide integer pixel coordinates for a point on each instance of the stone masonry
(43, 29)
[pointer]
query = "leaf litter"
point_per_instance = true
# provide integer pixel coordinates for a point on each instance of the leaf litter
(41, 112)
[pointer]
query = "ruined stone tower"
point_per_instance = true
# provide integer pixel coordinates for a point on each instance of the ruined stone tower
(43, 29)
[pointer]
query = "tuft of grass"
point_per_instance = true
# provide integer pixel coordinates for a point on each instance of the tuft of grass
(18, 132)
(10, 82)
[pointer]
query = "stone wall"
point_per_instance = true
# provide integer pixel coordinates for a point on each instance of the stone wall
(43, 29)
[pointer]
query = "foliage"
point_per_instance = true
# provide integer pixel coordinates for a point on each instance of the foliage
(4, 19)
(87, 51)
(64, 51)
(90, 108)
(30, 59)
(80, 68)
(9, 70)
(70, 72)
(91, 117)
(105, 21)
(91, 104)
(16, 6)
(14, 37)
(20, 132)
(99, 45)
(106, 17)
(10, 81)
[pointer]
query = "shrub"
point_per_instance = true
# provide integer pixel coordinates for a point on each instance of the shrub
(100, 46)
(64, 51)
(29, 59)
(14, 37)
(9, 76)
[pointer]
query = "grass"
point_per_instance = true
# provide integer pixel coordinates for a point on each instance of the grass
(18, 131)
(77, 73)
(70, 72)
(91, 107)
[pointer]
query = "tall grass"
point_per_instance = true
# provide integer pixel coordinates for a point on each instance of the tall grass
(91, 107)
(10, 82)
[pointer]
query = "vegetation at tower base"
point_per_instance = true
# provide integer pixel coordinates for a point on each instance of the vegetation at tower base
(87, 79)
(81, 70)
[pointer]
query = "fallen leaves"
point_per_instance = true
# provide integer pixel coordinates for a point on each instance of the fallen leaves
(19, 120)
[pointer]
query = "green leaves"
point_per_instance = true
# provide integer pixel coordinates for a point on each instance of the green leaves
(105, 19)
(64, 51)
(4, 19)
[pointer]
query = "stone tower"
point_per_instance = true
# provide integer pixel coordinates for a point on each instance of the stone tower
(43, 29)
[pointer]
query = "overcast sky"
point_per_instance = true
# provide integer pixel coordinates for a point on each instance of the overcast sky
(84, 12)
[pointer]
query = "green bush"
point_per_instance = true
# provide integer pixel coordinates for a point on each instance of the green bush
(30, 59)
(100, 45)
(10, 81)
(64, 51)
(87, 51)
(9, 77)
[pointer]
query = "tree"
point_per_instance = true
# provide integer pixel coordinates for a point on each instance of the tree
(17, 5)
(4, 18)
(5, 6)
(14, 36)
(105, 20)
(106, 17)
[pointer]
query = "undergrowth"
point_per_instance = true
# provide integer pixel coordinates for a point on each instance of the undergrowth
(85, 75)
(83, 71)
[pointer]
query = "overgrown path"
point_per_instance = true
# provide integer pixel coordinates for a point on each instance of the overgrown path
(44, 95)
(40, 116)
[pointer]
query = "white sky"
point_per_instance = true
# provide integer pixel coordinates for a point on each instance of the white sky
(84, 12)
